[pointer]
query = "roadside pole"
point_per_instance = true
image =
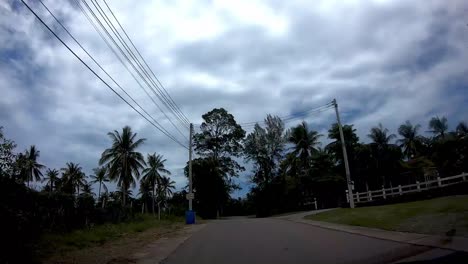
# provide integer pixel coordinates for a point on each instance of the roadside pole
(345, 157)
(190, 168)
(190, 214)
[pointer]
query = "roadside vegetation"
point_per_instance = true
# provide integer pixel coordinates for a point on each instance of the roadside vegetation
(61, 243)
(440, 216)
(65, 212)
(290, 168)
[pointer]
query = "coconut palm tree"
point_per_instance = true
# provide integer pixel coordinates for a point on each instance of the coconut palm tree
(73, 177)
(31, 168)
(154, 171)
(87, 189)
(165, 188)
(438, 126)
(146, 194)
(123, 160)
(409, 134)
(380, 136)
(305, 143)
(52, 176)
(100, 176)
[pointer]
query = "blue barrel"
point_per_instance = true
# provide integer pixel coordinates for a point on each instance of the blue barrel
(190, 217)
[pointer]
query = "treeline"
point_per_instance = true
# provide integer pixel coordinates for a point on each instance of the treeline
(66, 200)
(291, 167)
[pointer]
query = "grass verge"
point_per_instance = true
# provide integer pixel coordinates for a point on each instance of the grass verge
(61, 244)
(435, 216)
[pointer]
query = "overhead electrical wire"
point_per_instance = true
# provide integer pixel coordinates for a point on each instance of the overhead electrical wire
(171, 101)
(160, 94)
(125, 56)
(97, 75)
(292, 117)
(99, 65)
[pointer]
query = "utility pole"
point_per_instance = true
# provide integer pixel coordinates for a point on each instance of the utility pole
(345, 156)
(190, 197)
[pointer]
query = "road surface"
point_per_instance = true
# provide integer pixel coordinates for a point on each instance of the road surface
(273, 240)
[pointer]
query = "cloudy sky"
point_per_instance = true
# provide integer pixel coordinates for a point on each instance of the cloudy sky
(384, 61)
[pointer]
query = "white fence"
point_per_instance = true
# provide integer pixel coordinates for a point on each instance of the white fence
(362, 197)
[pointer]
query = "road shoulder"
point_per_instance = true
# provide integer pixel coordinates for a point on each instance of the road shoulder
(453, 243)
(161, 248)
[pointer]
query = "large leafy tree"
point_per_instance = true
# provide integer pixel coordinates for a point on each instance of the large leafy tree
(30, 167)
(123, 159)
(154, 172)
(73, 178)
(462, 129)
(220, 135)
(7, 156)
(409, 140)
(438, 126)
(219, 142)
(101, 177)
(51, 178)
(265, 146)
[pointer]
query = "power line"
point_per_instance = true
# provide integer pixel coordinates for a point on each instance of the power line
(127, 58)
(97, 75)
(292, 117)
(161, 96)
(99, 65)
(175, 106)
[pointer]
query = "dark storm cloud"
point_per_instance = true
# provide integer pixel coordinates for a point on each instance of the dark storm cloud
(384, 61)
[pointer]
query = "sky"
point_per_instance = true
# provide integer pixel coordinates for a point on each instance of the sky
(384, 61)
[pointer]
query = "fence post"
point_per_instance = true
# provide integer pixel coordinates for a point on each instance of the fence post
(383, 192)
(357, 196)
(439, 182)
(369, 194)
(419, 186)
(399, 190)
(347, 196)
(315, 203)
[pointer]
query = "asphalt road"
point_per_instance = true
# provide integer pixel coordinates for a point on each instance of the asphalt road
(272, 241)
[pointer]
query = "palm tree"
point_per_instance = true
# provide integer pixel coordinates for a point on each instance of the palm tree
(152, 173)
(87, 189)
(165, 188)
(409, 141)
(52, 176)
(73, 177)
(100, 176)
(462, 129)
(438, 126)
(146, 194)
(305, 142)
(381, 148)
(32, 168)
(380, 137)
(123, 160)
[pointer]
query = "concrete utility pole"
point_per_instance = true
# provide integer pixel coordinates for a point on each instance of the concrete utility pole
(190, 197)
(345, 157)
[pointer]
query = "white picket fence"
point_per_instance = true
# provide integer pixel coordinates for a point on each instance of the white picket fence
(384, 193)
